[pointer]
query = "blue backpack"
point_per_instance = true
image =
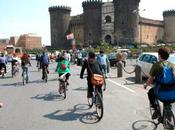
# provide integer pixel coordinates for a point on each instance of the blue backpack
(165, 85)
(167, 76)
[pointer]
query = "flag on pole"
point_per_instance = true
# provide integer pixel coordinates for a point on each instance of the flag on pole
(70, 36)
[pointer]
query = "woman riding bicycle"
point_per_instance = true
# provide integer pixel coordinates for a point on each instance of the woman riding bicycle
(156, 70)
(63, 67)
(91, 65)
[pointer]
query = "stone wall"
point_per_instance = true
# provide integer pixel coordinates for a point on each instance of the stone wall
(77, 28)
(151, 30)
(169, 21)
(29, 42)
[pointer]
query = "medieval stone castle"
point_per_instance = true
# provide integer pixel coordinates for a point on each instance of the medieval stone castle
(117, 23)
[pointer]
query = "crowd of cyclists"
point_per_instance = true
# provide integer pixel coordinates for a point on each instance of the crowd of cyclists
(99, 65)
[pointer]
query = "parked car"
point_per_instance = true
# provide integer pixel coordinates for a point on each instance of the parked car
(147, 59)
(32, 56)
(112, 59)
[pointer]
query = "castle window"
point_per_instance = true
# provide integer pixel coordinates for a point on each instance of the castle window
(108, 39)
(108, 19)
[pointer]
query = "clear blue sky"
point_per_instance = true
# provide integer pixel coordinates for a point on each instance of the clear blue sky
(31, 16)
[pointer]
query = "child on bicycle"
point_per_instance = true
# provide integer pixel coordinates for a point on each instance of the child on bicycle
(92, 66)
(63, 67)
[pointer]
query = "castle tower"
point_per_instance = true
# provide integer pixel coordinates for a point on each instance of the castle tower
(92, 21)
(126, 21)
(169, 28)
(59, 23)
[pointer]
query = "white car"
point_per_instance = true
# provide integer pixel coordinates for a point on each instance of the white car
(32, 56)
(147, 59)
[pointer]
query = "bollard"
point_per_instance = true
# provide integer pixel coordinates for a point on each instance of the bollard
(119, 69)
(138, 74)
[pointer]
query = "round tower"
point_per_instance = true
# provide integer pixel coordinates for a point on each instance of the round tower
(169, 28)
(92, 21)
(126, 15)
(59, 23)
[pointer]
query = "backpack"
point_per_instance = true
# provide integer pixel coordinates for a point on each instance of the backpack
(167, 76)
(63, 66)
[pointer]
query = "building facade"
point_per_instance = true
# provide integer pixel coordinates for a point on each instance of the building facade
(117, 23)
(26, 41)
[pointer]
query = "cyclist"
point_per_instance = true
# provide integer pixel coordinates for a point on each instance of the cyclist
(63, 66)
(3, 62)
(91, 63)
(14, 62)
(44, 63)
(25, 61)
(155, 71)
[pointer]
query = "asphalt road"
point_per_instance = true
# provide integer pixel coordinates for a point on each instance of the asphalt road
(38, 105)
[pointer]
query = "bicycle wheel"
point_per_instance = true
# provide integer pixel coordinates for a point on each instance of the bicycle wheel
(168, 118)
(45, 76)
(23, 79)
(99, 105)
(64, 90)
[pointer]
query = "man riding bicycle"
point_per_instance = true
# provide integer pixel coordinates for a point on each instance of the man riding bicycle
(155, 72)
(44, 61)
(94, 67)
(63, 67)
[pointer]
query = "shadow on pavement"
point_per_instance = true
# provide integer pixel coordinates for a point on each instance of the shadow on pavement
(17, 84)
(80, 89)
(144, 125)
(78, 112)
(49, 97)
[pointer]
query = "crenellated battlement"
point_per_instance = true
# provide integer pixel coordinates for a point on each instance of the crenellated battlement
(92, 3)
(55, 8)
(169, 13)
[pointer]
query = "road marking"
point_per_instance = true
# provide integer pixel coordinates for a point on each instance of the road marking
(122, 86)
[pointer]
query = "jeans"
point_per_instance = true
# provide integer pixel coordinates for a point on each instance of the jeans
(25, 69)
(104, 69)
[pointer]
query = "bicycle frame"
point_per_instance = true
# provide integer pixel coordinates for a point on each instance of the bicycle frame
(62, 84)
(97, 100)
(166, 116)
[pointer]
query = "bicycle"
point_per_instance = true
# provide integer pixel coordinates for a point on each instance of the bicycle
(166, 118)
(25, 77)
(62, 85)
(97, 100)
